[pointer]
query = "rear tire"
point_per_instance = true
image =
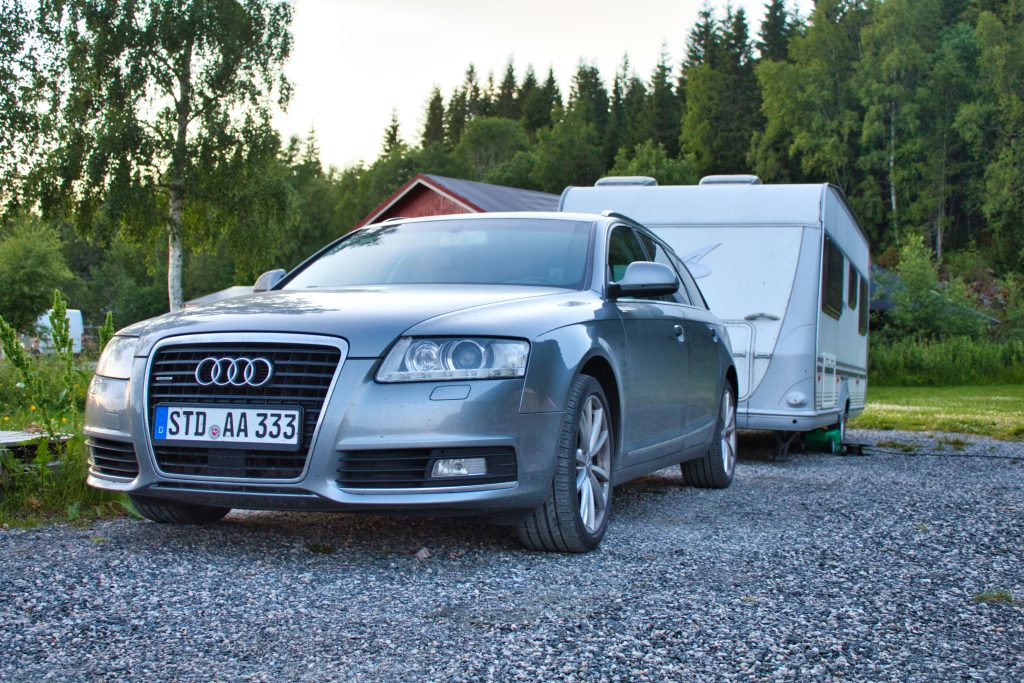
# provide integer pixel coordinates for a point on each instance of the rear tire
(717, 468)
(575, 515)
(165, 512)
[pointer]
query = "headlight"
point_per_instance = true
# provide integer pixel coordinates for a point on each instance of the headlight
(116, 359)
(424, 360)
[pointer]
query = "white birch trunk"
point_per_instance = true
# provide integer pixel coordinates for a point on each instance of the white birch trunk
(941, 222)
(175, 260)
(175, 256)
(892, 164)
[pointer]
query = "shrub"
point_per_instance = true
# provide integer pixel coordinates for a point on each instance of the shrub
(31, 265)
(925, 310)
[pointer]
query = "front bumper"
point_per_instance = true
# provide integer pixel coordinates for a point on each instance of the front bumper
(359, 415)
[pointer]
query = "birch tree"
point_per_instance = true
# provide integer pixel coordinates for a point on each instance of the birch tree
(891, 77)
(157, 93)
(21, 88)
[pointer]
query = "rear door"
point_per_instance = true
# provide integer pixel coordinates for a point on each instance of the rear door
(656, 361)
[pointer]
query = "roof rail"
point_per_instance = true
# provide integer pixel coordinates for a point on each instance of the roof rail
(608, 213)
(625, 180)
(393, 219)
(738, 179)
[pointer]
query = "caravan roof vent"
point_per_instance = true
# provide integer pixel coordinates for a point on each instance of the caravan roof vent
(730, 180)
(625, 180)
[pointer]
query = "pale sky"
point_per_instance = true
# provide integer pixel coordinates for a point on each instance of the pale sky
(355, 60)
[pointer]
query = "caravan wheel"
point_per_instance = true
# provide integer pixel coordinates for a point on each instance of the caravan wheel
(837, 446)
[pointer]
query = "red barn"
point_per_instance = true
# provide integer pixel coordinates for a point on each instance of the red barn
(434, 195)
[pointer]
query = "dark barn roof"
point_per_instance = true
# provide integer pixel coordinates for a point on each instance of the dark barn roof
(489, 197)
(464, 196)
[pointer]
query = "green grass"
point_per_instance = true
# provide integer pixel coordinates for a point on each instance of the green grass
(49, 486)
(996, 596)
(321, 548)
(996, 411)
(948, 362)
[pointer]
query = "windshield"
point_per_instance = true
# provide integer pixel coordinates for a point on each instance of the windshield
(490, 251)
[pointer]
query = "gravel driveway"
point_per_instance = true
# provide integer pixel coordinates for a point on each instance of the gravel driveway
(824, 567)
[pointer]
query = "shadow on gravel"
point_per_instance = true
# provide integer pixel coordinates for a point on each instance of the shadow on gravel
(248, 534)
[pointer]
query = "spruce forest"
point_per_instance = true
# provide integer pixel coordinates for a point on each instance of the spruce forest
(136, 139)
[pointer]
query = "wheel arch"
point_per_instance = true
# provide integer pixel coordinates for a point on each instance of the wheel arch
(733, 379)
(560, 355)
(600, 368)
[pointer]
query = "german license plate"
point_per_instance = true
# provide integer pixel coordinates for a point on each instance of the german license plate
(266, 427)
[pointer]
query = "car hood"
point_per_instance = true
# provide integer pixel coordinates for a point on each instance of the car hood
(369, 318)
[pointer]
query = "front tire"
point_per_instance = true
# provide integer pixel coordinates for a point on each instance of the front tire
(717, 468)
(575, 515)
(165, 512)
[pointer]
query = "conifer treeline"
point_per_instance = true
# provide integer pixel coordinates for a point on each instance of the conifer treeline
(912, 107)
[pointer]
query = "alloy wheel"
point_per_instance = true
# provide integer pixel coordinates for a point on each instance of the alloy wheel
(593, 463)
(728, 433)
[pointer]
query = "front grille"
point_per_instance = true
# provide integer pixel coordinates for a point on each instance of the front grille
(302, 375)
(112, 458)
(411, 467)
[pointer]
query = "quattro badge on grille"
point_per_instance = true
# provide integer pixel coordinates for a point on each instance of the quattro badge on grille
(236, 372)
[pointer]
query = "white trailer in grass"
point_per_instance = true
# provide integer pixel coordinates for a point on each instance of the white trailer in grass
(786, 267)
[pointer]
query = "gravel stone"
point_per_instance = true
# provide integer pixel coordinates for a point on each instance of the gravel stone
(819, 568)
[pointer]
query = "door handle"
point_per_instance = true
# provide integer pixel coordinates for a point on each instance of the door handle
(714, 333)
(678, 329)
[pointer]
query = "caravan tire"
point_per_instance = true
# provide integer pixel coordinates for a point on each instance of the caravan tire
(718, 466)
(840, 426)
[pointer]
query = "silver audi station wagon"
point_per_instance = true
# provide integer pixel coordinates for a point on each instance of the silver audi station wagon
(513, 366)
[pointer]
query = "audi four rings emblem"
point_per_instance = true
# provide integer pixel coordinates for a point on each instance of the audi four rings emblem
(236, 372)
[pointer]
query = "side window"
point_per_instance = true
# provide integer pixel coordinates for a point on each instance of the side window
(865, 304)
(851, 288)
(623, 249)
(832, 279)
(695, 295)
(649, 244)
(657, 252)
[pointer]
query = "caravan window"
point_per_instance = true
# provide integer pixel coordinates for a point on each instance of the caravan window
(865, 304)
(851, 292)
(832, 279)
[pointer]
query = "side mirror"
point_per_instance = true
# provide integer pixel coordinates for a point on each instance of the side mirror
(645, 278)
(267, 281)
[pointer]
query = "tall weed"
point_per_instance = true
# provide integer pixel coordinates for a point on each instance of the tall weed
(45, 395)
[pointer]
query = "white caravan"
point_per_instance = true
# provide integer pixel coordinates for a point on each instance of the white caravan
(786, 268)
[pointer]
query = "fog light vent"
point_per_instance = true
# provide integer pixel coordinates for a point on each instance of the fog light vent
(459, 467)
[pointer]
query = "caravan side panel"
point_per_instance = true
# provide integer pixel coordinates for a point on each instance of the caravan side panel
(842, 341)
